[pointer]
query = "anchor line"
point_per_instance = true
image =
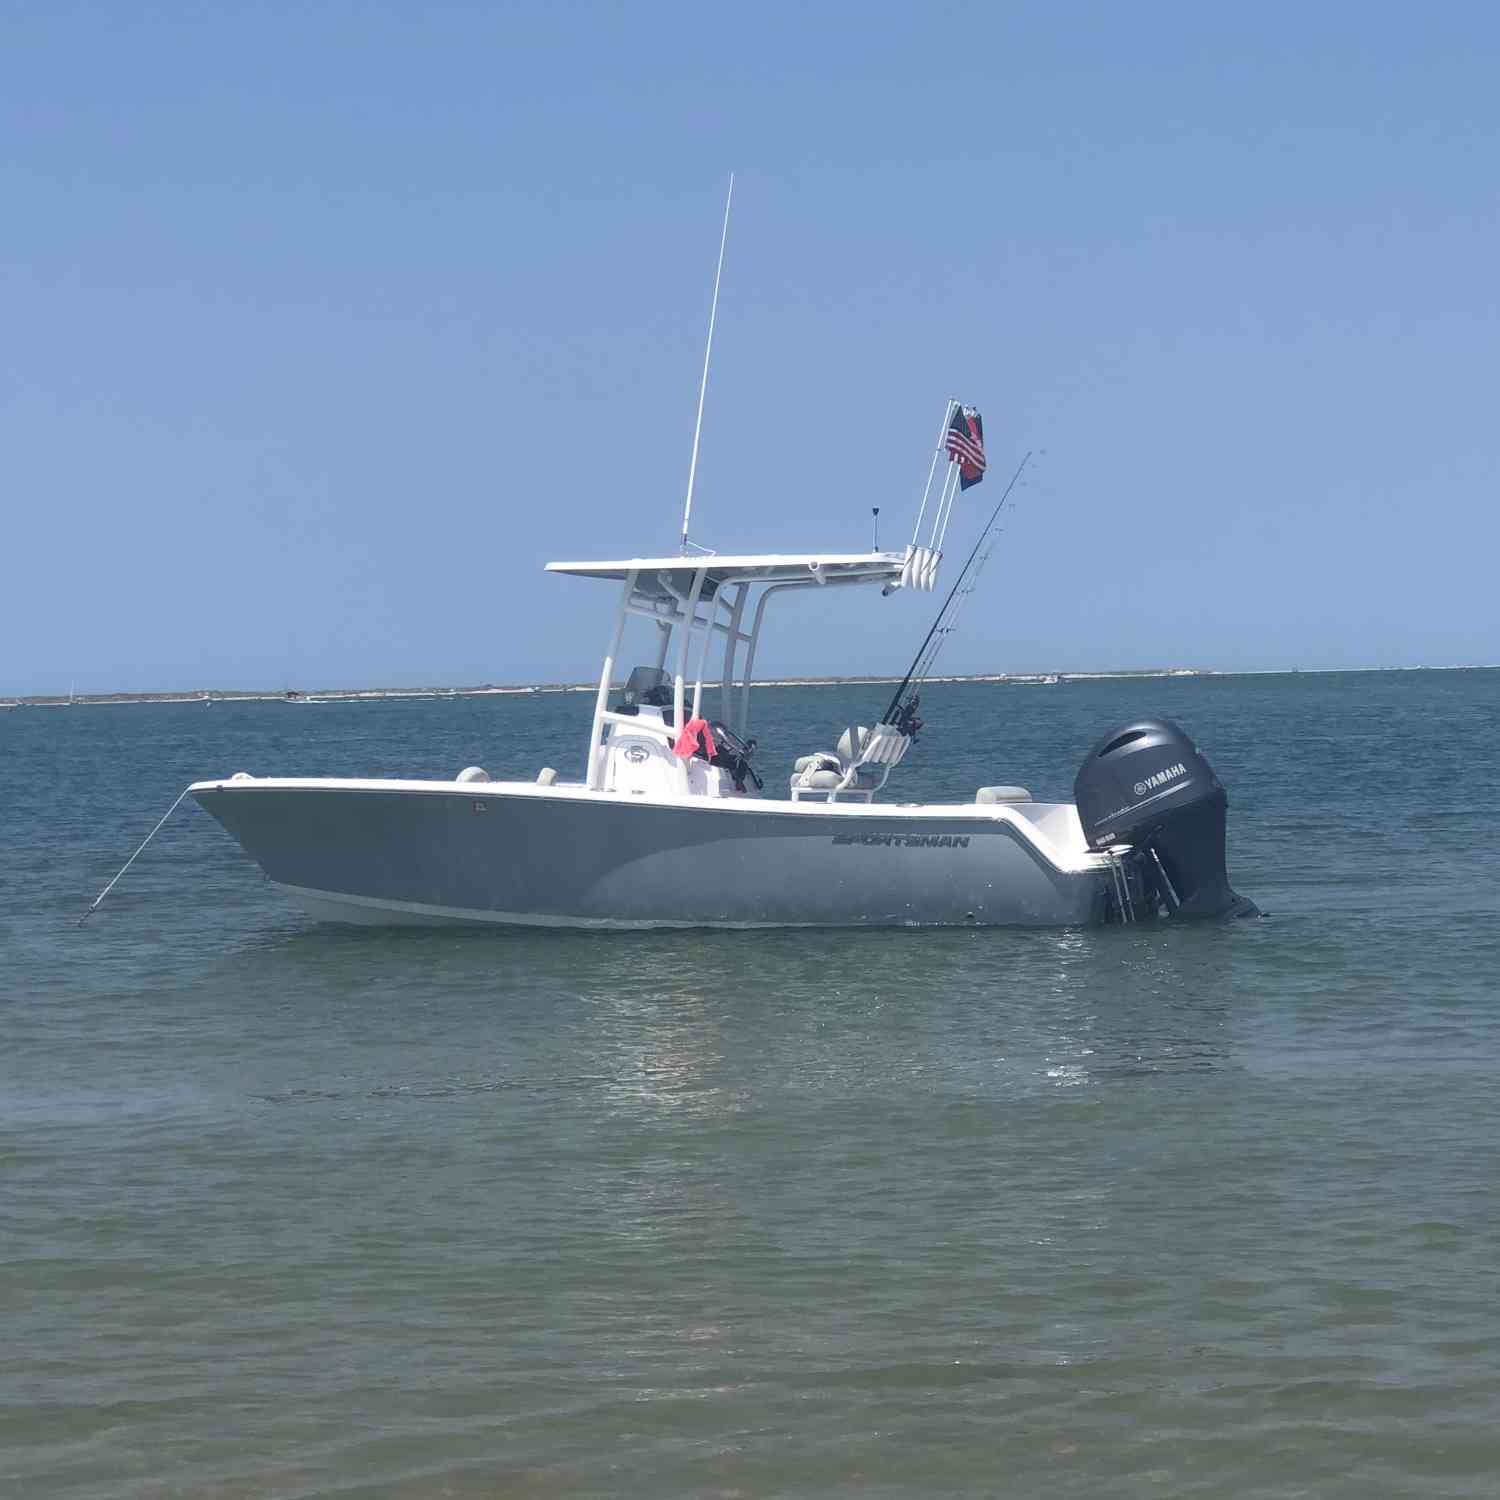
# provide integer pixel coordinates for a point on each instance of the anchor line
(943, 625)
(107, 889)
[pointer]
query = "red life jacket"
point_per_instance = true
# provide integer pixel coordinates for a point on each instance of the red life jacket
(696, 739)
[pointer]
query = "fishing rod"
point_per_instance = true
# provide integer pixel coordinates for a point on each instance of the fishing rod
(902, 717)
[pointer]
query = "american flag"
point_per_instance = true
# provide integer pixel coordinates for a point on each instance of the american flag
(965, 445)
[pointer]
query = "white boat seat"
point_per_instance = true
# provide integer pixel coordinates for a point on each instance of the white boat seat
(858, 768)
(823, 760)
(1003, 794)
(818, 779)
(820, 771)
(851, 742)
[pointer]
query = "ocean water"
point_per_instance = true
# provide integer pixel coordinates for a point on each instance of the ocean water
(1175, 1211)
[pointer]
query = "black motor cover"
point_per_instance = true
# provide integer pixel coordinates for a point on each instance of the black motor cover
(1146, 785)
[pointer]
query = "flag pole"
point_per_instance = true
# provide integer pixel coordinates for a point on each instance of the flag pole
(687, 509)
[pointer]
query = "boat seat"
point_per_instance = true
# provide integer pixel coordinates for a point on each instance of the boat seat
(1003, 794)
(821, 771)
(857, 768)
(851, 742)
(818, 779)
(823, 760)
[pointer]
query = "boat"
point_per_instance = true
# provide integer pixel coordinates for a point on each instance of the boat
(678, 820)
(671, 823)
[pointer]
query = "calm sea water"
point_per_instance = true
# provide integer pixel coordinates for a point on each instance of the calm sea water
(293, 1211)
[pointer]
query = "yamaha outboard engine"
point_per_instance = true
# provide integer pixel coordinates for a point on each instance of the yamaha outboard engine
(1146, 786)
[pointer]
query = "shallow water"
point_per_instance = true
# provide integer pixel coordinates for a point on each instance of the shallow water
(293, 1211)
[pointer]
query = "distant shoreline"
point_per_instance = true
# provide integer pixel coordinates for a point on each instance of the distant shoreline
(490, 690)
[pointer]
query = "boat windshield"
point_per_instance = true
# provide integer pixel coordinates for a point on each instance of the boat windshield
(647, 685)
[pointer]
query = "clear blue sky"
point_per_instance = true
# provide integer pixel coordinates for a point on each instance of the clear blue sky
(324, 327)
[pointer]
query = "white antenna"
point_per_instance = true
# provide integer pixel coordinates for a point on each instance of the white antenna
(687, 509)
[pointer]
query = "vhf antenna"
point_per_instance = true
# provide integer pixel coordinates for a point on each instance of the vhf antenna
(687, 509)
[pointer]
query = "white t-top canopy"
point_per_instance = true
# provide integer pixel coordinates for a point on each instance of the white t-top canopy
(677, 573)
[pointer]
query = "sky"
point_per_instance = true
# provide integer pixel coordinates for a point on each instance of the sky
(323, 328)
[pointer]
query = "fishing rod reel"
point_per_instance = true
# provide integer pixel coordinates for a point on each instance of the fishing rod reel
(904, 719)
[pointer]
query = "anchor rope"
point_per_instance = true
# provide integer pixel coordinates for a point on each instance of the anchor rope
(107, 889)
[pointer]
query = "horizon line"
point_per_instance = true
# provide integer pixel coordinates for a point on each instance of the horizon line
(481, 690)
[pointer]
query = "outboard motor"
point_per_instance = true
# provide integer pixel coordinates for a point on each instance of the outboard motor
(1146, 785)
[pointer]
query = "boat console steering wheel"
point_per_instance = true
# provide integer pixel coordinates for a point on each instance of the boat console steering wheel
(733, 755)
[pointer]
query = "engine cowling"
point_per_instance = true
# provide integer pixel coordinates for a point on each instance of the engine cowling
(1146, 785)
